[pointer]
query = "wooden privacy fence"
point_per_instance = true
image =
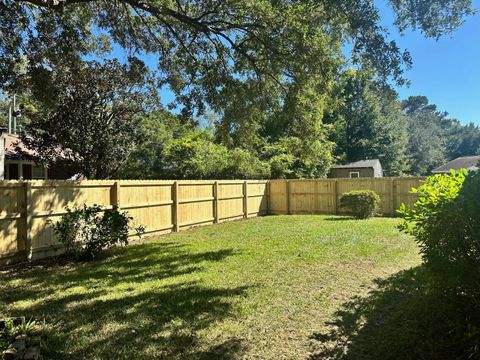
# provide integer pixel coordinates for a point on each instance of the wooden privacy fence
(27, 209)
(321, 196)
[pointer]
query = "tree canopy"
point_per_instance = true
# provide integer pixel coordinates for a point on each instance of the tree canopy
(88, 120)
(434, 137)
(203, 45)
(275, 75)
(369, 124)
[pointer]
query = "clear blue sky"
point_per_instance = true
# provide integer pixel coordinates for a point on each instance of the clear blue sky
(447, 71)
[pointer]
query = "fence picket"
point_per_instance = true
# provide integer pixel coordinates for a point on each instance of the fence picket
(28, 208)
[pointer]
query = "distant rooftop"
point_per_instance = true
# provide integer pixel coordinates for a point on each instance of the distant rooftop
(359, 164)
(14, 148)
(466, 162)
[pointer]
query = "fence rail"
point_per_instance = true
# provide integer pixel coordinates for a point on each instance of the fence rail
(321, 196)
(27, 208)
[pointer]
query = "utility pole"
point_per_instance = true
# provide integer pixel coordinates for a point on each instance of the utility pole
(14, 113)
(10, 118)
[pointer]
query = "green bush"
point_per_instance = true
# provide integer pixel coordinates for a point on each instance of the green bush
(360, 203)
(445, 220)
(85, 231)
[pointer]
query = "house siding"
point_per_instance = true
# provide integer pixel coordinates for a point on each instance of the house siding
(345, 172)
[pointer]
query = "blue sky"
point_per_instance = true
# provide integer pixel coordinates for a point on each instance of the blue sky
(447, 71)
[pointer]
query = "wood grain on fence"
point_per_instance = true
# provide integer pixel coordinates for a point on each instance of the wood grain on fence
(321, 196)
(28, 208)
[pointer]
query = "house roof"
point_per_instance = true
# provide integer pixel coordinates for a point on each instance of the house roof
(467, 162)
(372, 163)
(15, 149)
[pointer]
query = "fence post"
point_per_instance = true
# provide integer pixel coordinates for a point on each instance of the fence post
(393, 189)
(215, 202)
(267, 194)
(245, 199)
(116, 195)
(335, 196)
(176, 226)
(289, 208)
(28, 220)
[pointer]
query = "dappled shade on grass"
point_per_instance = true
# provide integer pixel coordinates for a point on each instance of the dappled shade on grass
(404, 317)
(250, 289)
(138, 316)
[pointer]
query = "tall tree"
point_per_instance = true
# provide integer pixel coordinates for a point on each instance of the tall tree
(203, 44)
(88, 117)
(370, 124)
(267, 69)
(426, 134)
(462, 140)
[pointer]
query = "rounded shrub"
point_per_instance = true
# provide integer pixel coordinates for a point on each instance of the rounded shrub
(361, 204)
(86, 230)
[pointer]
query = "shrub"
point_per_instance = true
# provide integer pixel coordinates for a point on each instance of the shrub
(85, 231)
(19, 337)
(360, 203)
(445, 220)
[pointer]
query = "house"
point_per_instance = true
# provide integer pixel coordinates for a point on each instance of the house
(358, 169)
(16, 162)
(471, 163)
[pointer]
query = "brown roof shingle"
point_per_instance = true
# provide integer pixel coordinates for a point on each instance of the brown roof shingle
(466, 162)
(14, 148)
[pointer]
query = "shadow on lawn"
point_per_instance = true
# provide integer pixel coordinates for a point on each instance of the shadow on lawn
(340, 218)
(143, 319)
(404, 318)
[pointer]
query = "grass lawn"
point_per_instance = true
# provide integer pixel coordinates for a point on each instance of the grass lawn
(277, 287)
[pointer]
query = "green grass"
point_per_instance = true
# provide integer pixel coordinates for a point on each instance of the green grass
(278, 287)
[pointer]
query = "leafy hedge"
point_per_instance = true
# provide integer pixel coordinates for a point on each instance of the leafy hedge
(361, 204)
(445, 220)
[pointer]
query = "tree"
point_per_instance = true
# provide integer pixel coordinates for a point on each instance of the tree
(369, 124)
(4, 105)
(147, 160)
(88, 117)
(462, 140)
(203, 44)
(426, 135)
(434, 137)
(267, 69)
(173, 149)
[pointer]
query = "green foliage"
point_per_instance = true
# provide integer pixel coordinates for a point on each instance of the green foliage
(435, 138)
(14, 327)
(246, 165)
(369, 124)
(201, 45)
(85, 231)
(172, 149)
(427, 140)
(88, 116)
(362, 204)
(433, 18)
(445, 222)
(462, 140)
(4, 104)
